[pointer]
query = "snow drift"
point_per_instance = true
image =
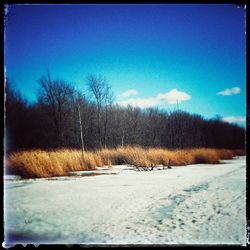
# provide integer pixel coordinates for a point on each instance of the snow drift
(196, 204)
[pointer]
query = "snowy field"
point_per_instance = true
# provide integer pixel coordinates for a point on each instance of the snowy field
(196, 204)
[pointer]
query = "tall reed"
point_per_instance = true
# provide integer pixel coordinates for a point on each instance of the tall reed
(47, 163)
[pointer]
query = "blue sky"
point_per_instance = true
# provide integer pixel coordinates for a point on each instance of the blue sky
(151, 55)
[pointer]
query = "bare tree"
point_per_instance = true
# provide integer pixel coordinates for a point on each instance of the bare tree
(108, 100)
(64, 117)
(78, 100)
(101, 91)
(55, 95)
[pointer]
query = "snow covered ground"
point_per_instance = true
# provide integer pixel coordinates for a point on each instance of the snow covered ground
(196, 204)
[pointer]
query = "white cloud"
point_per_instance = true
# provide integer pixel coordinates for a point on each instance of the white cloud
(174, 96)
(232, 91)
(128, 93)
(235, 119)
(171, 97)
(140, 102)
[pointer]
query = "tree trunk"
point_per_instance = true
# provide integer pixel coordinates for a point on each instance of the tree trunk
(99, 123)
(122, 137)
(105, 126)
(80, 124)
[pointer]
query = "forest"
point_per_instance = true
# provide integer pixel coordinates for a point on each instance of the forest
(64, 117)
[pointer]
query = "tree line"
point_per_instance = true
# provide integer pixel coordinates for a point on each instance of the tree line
(63, 117)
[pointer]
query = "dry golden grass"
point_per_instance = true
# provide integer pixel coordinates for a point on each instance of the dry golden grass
(41, 163)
